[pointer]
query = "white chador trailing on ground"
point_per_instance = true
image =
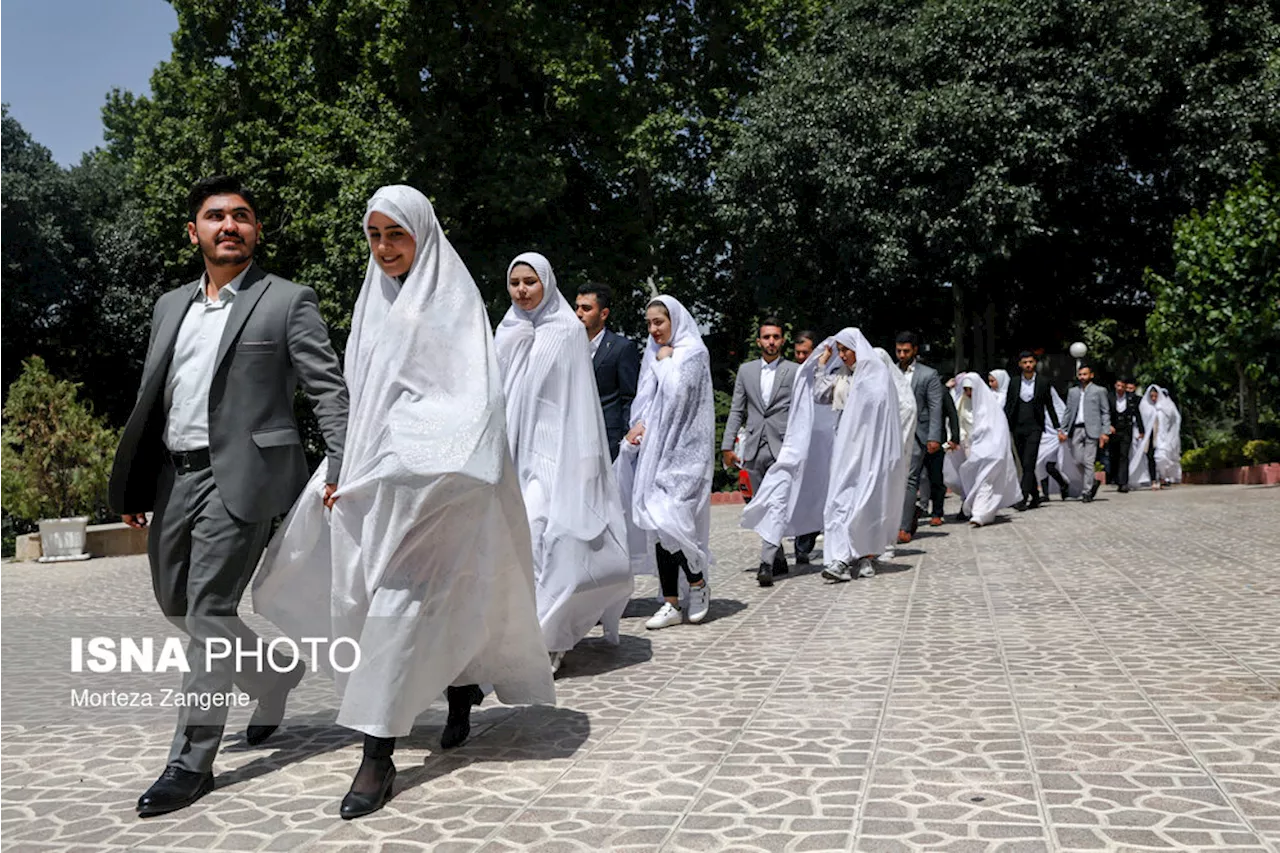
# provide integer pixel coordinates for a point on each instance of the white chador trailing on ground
(1052, 450)
(987, 473)
(665, 478)
(792, 496)
(1163, 425)
(425, 558)
(556, 433)
(864, 494)
(908, 418)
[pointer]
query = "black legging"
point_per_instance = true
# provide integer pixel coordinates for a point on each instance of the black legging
(669, 566)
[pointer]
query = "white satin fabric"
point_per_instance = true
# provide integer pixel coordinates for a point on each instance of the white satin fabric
(792, 495)
(425, 559)
(988, 474)
(665, 480)
(864, 495)
(556, 434)
(1163, 424)
(1057, 452)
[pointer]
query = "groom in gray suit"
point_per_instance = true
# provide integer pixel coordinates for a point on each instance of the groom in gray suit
(761, 398)
(212, 450)
(1087, 420)
(926, 450)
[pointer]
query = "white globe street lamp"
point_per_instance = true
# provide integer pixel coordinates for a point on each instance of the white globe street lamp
(1078, 350)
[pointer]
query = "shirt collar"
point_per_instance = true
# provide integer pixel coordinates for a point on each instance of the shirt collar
(227, 292)
(771, 365)
(599, 335)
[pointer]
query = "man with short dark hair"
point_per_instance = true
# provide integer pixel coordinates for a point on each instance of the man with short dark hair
(806, 340)
(926, 450)
(616, 361)
(761, 404)
(212, 450)
(1088, 419)
(1025, 407)
(1125, 415)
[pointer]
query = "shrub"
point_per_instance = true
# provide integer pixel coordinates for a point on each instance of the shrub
(57, 455)
(1262, 451)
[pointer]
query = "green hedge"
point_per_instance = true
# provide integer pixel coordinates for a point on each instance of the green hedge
(1230, 454)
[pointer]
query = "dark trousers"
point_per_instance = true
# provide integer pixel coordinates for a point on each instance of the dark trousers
(1151, 462)
(1026, 445)
(928, 465)
(937, 489)
(669, 568)
(202, 558)
(1118, 449)
(805, 543)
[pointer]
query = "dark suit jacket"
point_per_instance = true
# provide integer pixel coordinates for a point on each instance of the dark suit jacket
(274, 337)
(951, 417)
(1125, 421)
(617, 365)
(1040, 402)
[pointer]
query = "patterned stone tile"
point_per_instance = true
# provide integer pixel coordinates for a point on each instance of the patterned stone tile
(802, 747)
(783, 791)
(709, 833)
(952, 750)
(626, 786)
(556, 829)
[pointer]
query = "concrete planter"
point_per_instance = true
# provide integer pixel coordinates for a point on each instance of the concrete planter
(1248, 475)
(63, 539)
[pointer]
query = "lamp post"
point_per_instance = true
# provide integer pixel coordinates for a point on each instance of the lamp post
(1078, 350)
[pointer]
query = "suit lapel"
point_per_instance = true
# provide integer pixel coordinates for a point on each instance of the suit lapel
(255, 284)
(167, 334)
(600, 354)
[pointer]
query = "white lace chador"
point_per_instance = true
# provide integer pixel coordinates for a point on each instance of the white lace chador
(425, 559)
(666, 479)
(556, 433)
(1163, 424)
(864, 499)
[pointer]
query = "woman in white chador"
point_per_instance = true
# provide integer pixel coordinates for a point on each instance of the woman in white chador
(998, 380)
(425, 558)
(907, 418)
(664, 469)
(864, 497)
(556, 433)
(1054, 456)
(987, 473)
(1156, 457)
(792, 494)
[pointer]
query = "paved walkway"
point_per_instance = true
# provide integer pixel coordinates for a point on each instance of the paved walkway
(1083, 677)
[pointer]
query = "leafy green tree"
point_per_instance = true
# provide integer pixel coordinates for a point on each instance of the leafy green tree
(1216, 322)
(984, 167)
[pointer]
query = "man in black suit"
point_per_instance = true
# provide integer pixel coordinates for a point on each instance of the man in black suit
(1025, 408)
(1124, 417)
(616, 361)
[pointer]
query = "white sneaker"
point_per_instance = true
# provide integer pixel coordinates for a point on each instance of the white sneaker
(866, 568)
(699, 602)
(556, 659)
(889, 553)
(838, 571)
(666, 616)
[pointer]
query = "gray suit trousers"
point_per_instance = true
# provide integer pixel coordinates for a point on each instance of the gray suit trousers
(1085, 452)
(202, 558)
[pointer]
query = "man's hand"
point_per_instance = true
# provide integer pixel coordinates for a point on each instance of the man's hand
(951, 445)
(932, 446)
(730, 458)
(1112, 431)
(1102, 440)
(329, 499)
(138, 521)
(633, 437)
(665, 352)
(1062, 436)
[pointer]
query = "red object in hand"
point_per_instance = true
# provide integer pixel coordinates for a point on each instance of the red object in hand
(744, 483)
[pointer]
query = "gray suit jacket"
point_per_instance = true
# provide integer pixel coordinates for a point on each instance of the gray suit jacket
(274, 337)
(928, 387)
(764, 423)
(1097, 410)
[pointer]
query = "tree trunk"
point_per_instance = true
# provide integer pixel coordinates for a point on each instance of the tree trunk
(958, 318)
(1248, 402)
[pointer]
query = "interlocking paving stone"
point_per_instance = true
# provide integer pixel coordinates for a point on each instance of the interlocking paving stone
(1083, 677)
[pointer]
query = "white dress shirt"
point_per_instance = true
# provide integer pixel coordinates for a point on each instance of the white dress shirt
(186, 390)
(1122, 402)
(1080, 408)
(1027, 391)
(910, 372)
(768, 374)
(595, 342)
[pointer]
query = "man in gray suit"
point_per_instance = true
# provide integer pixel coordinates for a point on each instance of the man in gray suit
(762, 397)
(1088, 423)
(212, 450)
(926, 450)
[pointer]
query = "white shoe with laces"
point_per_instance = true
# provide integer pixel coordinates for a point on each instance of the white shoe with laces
(866, 568)
(838, 571)
(666, 616)
(699, 602)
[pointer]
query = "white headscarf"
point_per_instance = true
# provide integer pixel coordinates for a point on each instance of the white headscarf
(556, 433)
(1002, 384)
(988, 473)
(666, 479)
(790, 499)
(1163, 424)
(864, 497)
(425, 558)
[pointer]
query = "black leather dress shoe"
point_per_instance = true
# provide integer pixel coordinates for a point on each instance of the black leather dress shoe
(175, 789)
(1021, 506)
(802, 559)
(270, 711)
(458, 726)
(357, 804)
(764, 575)
(780, 566)
(1124, 490)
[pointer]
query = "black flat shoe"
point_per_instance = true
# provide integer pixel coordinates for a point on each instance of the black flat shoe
(175, 789)
(764, 575)
(357, 804)
(458, 727)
